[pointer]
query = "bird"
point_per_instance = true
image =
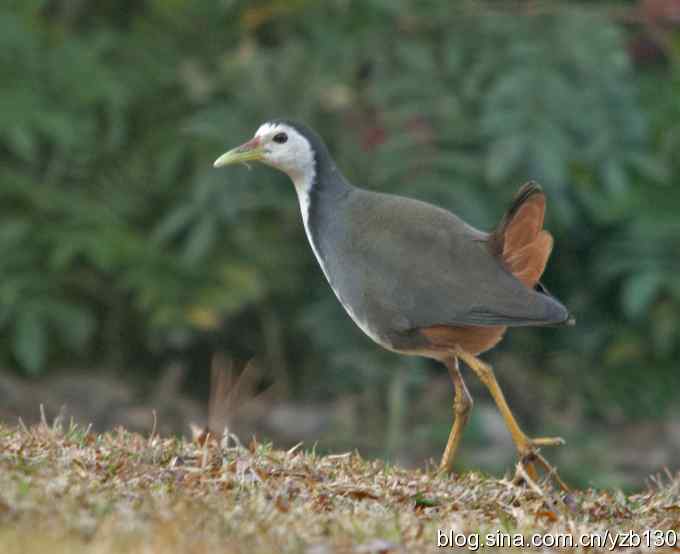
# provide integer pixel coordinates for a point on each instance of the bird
(416, 278)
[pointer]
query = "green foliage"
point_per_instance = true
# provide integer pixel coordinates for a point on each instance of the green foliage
(117, 238)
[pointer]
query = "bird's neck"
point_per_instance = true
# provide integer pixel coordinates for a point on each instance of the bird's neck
(318, 186)
(321, 189)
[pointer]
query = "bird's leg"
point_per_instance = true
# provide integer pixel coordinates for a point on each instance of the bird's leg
(462, 404)
(527, 448)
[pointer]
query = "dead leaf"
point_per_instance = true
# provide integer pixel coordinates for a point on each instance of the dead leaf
(262, 474)
(547, 514)
(359, 494)
(322, 503)
(282, 504)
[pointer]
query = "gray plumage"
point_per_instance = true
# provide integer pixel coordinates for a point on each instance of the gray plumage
(416, 278)
(399, 264)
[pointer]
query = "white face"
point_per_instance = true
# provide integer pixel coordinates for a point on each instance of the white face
(286, 150)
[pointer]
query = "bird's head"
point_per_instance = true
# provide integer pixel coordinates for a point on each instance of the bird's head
(283, 145)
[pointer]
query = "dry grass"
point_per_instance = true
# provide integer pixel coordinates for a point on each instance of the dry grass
(68, 490)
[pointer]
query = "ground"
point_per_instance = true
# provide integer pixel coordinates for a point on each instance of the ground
(408, 426)
(66, 489)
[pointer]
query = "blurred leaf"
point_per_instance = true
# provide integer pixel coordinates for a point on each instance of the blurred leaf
(174, 223)
(74, 324)
(201, 238)
(639, 292)
(30, 340)
(504, 157)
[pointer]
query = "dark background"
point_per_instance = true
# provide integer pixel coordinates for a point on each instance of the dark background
(129, 267)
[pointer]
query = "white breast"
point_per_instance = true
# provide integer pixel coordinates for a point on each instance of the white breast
(303, 186)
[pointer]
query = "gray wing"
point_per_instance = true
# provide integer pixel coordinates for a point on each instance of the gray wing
(419, 265)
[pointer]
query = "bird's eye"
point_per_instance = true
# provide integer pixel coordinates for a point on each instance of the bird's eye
(280, 138)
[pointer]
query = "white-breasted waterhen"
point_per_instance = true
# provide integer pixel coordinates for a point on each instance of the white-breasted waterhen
(416, 278)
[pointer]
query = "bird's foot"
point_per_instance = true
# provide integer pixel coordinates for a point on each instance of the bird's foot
(533, 444)
(530, 457)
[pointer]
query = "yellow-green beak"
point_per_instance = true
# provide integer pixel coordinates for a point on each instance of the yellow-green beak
(251, 151)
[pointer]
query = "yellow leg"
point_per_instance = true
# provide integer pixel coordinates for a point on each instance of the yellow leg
(462, 404)
(526, 447)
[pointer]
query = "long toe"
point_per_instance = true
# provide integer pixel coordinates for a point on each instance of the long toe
(527, 447)
(528, 463)
(547, 441)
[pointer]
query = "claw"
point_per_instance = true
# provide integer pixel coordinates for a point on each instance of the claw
(530, 456)
(548, 441)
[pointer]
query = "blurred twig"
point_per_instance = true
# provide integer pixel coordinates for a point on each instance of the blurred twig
(229, 391)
